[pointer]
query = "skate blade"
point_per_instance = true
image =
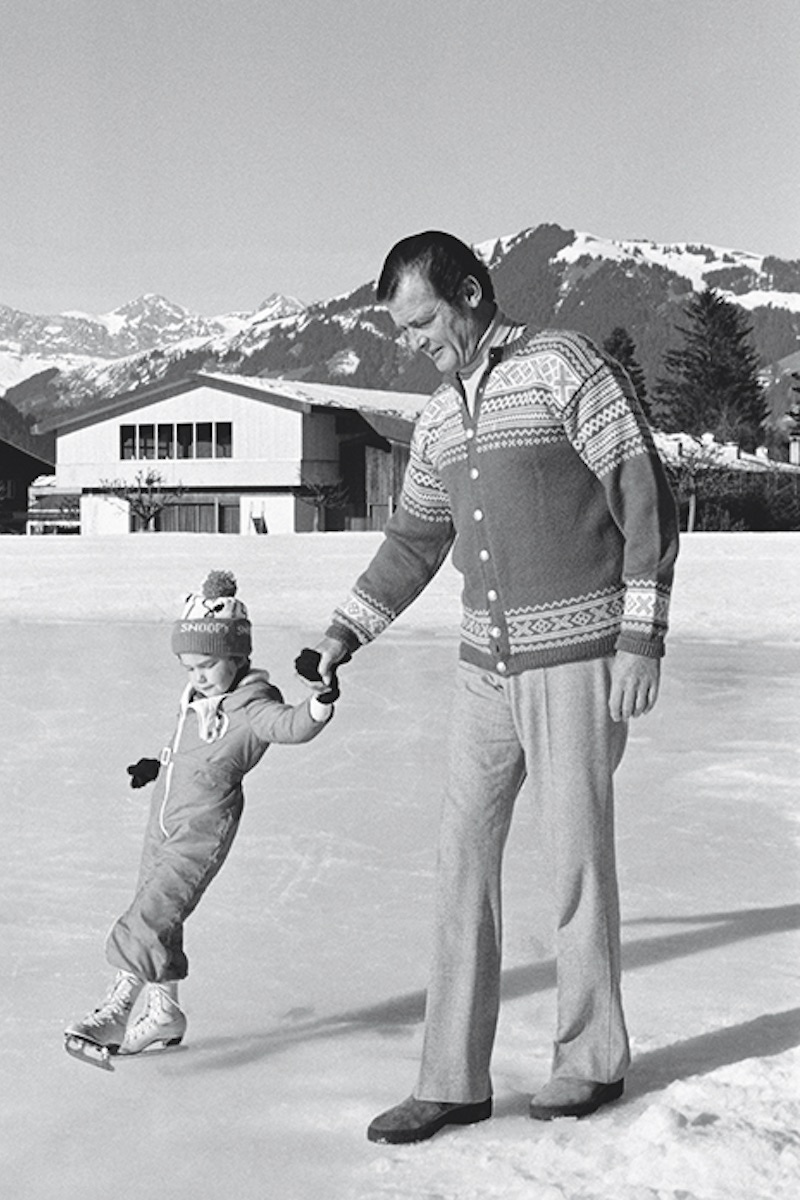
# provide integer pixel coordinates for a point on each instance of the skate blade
(89, 1052)
(157, 1046)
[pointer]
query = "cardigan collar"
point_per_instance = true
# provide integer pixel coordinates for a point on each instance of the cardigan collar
(518, 336)
(497, 334)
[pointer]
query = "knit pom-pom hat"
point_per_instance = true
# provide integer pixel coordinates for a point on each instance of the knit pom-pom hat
(213, 621)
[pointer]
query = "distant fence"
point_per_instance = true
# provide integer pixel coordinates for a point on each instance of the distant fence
(719, 498)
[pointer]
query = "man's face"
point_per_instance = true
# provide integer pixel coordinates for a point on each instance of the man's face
(448, 331)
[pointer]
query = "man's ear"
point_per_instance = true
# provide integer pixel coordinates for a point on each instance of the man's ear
(471, 291)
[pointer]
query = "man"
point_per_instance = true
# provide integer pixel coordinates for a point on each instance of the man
(535, 459)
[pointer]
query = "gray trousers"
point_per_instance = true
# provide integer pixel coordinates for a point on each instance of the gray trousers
(553, 725)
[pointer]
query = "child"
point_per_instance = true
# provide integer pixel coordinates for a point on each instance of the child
(229, 714)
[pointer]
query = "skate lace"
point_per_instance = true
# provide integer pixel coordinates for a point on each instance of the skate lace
(145, 1023)
(156, 1014)
(109, 1011)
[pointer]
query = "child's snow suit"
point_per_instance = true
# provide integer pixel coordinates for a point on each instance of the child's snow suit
(195, 814)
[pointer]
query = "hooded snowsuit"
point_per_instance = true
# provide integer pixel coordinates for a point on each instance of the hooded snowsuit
(195, 813)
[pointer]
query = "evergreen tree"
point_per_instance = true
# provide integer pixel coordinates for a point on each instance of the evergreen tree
(711, 384)
(620, 345)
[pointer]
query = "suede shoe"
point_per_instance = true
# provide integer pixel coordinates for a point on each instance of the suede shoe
(416, 1120)
(565, 1097)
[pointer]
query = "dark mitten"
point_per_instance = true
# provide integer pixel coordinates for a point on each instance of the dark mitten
(144, 771)
(307, 665)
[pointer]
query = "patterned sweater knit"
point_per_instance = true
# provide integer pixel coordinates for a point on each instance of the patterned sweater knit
(554, 499)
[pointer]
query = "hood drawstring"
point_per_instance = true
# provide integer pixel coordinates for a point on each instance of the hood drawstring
(211, 723)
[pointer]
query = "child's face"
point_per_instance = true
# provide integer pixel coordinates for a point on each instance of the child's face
(210, 676)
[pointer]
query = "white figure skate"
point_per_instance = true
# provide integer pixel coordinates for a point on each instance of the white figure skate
(102, 1032)
(160, 1021)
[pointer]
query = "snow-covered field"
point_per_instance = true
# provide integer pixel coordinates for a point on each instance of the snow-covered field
(309, 953)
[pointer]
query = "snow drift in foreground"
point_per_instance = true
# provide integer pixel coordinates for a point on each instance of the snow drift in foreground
(730, 1134)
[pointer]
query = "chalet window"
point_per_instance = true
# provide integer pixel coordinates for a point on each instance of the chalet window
(127, 441)
(204, 445)
(166, 441)
(224, 447)
(203, 439)
(185, 441)
(147, 441)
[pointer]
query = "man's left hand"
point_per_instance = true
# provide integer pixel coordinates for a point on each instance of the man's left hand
(634, 685)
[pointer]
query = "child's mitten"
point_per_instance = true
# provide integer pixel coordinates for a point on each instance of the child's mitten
(307, 665)
(144, 771)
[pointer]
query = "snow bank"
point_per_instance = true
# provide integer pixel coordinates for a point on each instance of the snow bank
(729, 1136)
(729, 586)
(284, 580)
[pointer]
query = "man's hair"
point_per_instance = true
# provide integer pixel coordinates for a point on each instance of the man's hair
(443, 260)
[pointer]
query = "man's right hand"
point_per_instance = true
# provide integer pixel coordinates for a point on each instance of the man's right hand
(307, 666)
(332, 654)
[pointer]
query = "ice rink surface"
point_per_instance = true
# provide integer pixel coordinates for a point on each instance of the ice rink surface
(309, 953)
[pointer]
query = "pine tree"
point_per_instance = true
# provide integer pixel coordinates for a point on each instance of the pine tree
(711, 384)
(620, 345)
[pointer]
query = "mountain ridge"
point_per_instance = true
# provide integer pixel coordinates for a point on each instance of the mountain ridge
(546, 275)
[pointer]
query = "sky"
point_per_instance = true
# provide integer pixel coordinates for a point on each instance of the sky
(219, 152)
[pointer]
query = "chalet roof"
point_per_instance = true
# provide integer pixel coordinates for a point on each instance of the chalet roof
(407, 405)
(391, 414)
(27, 459)
(388, 412)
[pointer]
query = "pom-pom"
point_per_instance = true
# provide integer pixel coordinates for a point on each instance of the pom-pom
(219, 583)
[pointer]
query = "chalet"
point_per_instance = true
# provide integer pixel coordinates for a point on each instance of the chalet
(18, 469)
(218, 453)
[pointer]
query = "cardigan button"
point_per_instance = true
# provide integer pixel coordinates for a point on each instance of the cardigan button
(495, 631)
(469, 434)
(474, 473)
(491, 594)
(501, 667)
(478, 514)
(483, 555)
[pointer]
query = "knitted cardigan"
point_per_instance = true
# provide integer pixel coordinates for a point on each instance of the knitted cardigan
(564, 525)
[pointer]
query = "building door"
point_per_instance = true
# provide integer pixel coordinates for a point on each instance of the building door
(198, 514)
(229, 517)
(196, 517)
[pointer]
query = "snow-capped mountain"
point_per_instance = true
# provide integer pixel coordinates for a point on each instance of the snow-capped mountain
(30, 343)
(545, 275)
(274, 308)
(750, 280)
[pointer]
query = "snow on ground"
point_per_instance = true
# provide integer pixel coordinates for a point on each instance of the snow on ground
(766, 298)
(309, 953)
